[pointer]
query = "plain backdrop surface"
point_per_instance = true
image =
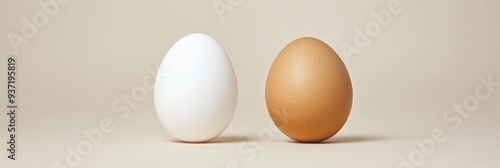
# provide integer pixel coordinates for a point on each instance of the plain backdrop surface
(91, 55)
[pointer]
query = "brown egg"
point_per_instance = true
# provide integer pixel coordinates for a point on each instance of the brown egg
(308, 91)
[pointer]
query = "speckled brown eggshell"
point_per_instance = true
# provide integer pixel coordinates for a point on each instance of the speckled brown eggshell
(308, 91)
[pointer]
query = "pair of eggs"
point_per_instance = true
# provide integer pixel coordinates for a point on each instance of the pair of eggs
(308, 90)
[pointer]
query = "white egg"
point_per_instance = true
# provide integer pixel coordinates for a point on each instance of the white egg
(196, 90)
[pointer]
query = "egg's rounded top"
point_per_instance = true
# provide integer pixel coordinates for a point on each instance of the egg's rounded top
(308, 91)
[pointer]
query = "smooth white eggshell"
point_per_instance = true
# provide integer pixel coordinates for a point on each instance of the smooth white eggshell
(196, 90)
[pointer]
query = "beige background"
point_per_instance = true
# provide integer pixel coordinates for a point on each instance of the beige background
(92, 52)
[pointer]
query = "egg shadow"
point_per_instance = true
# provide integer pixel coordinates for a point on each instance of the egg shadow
(344, 139)
(221, 139)
(229, 139)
